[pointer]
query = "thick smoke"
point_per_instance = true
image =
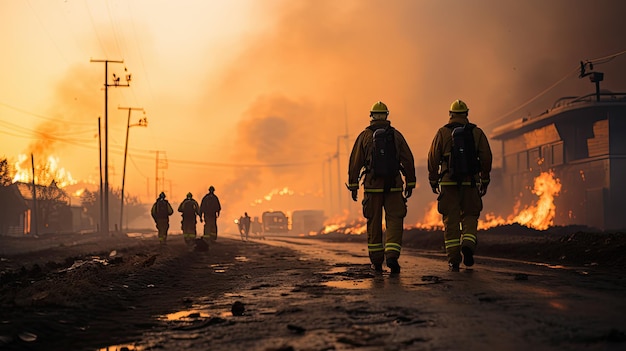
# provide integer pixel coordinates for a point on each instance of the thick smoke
(417, 56)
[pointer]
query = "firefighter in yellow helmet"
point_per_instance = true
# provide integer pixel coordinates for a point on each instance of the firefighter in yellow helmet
(381, 156)
(189, 209)
(161, 212)
(459, 163)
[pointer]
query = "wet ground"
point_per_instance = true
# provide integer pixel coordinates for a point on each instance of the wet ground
(301, 294)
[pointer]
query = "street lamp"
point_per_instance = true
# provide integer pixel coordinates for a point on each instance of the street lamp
(143, 122)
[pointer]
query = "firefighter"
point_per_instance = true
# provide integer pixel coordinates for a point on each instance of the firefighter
(161, 212)
(210, 209)
(459, 199)
(382, 192)
(189, 209)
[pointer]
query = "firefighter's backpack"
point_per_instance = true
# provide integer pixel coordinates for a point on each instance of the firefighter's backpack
(188, 208)
(161, 209)
(384, 160)
(463, 160)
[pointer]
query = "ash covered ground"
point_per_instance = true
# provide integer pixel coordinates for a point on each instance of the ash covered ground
(85, 291)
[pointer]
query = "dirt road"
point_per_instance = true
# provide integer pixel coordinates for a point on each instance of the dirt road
(307, 294)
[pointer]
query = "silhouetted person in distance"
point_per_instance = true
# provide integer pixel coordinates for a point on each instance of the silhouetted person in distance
(210, 209)
(189, 209)
(161, 212)
(245, 223)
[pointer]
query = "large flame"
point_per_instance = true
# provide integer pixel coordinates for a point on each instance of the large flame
(342, 224)
(45, 173)
(540, 215)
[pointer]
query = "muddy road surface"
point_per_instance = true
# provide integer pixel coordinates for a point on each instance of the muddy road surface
(289, 293)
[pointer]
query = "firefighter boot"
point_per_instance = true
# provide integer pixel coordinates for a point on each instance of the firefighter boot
(393, 264)
(468, 256)
(378, 268)
(453, 267)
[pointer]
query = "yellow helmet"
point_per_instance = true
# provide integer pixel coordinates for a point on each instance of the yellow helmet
(379, 107)
(458, 106)
(379, 111)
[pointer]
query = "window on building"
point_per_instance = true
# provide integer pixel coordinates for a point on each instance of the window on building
(557, 154)
(522, 161)
(534, 158)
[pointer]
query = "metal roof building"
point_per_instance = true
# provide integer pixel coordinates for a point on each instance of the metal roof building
(582, 140)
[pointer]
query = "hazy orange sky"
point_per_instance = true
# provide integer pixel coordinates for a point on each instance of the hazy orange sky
(256, 96)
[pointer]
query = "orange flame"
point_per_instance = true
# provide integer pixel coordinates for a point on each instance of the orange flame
(539, 216)
(44, 173)
(342, 224)
(275, 192)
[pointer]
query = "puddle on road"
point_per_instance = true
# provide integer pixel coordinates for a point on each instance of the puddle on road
(351, 284)
(241, 259)
(219, 268)
(122, 347)
(185, 315)
(335, 270)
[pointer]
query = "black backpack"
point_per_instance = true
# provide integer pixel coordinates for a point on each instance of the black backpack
(463, 161)
(189, 210)
(161, 209)
(384, 162)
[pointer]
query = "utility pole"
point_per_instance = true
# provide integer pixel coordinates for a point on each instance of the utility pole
(339, 170)
(330, 184)
(32, 162)
(116, 83)
(143, 122)
(161, 163)
(100, 171)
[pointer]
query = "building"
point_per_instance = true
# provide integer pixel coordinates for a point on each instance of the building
(52, 213)
(582, 140)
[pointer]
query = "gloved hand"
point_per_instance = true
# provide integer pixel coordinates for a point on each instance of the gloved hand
(435, 188)
(482, 189)
(408, 192)
(354, 194)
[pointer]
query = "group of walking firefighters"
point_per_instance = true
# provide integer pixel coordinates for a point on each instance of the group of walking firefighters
(208, 211)
(385, 193)
(459, 166)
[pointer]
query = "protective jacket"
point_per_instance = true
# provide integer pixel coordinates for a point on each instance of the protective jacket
(155, 213)
(210, 206)
(189, 208)
(442, 147)
(360, 161)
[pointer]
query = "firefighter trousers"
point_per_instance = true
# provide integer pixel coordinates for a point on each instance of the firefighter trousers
(210, 228)
(393, 206)
(460, 207)
(163, 225)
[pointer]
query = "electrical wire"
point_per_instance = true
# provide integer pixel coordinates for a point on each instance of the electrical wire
(48, 33)
(597, 61)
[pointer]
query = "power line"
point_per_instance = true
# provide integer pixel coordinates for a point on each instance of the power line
(50, 119)
(596, 61)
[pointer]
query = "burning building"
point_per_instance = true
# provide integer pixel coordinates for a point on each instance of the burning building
(581, 141)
